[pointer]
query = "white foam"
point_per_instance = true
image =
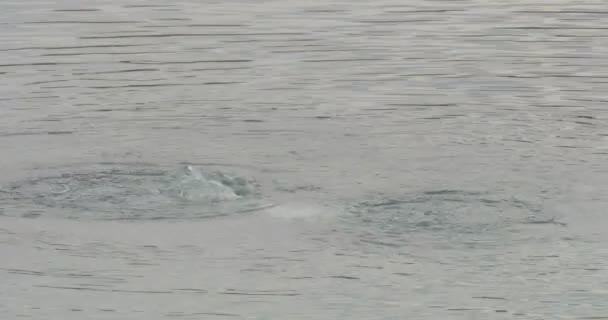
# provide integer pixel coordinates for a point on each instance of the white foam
(301, 210)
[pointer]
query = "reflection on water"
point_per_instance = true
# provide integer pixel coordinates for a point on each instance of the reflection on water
(348, 160)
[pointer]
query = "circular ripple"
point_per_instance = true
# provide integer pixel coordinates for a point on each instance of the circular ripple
(134, 193)
(446, 210)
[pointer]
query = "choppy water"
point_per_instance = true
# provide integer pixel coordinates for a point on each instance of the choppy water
(303, 160)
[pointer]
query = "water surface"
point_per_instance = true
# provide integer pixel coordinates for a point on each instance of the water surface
(298, 160)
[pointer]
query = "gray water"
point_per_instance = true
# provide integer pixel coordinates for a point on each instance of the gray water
(303, 160)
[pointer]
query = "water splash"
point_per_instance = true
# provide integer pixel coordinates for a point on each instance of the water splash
(193, 184)
(134, 193)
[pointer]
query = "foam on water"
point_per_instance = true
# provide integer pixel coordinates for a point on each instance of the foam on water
(304, 211)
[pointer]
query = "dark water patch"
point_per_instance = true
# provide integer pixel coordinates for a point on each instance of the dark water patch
(130, 31)
(31, 64)
(324, 10)
(58, 87)
(309, 50)
(551, 28)
(6, 231)
(72, 288)
(172, 35)
(44, 82)
(24, 272)
(279, 89)
(277, 293)
(344, 277)
(452, 192)
(216, 25)
(422, 104)
(77, 10)
(366, 267)
(518, 140)
(557, 106)
(462, 309)
(404, 274)
(191, 290)
(142, 264)
(75, 47)
(489, 298)
(219, 69)
(153, 85)
(551, 221)
(565, 11)
(143, 291)
(187, 62)
(217, 314)
(117, 71)
(173, 19)
(415, 11)
(397, 21)
(81, 22)
(381, 109)
(304, 45)
(31, 214)
(243, 41)
(344, 60)
(380, 242)
(149, 6)
(100, 54)
(14, 134)
(215, 83)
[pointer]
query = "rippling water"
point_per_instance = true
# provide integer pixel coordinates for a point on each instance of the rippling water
(303, 160)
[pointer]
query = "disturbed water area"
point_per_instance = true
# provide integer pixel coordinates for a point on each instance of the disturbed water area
(133, 240)
(295, 160)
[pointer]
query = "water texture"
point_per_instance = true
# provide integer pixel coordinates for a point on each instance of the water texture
(303, 160)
